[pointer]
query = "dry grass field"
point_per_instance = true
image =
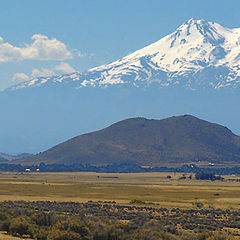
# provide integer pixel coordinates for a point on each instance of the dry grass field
(153, 188)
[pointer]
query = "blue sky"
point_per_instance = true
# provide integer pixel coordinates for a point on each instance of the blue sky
(57, 36)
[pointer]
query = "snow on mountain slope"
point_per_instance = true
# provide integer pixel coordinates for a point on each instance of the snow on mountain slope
(179, 51)
(198, 54)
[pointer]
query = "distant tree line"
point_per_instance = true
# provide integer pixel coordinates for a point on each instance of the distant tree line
(207, 176)
(118, 168)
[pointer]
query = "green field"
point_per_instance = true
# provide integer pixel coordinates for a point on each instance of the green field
(152, 188)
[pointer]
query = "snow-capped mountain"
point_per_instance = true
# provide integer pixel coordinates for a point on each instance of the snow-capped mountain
(152, 82)
(197, 54)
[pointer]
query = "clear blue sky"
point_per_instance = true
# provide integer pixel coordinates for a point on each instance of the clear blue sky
(88, 33)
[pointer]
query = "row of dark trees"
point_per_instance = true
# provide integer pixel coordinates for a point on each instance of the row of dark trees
(207, 176)
(118, 168)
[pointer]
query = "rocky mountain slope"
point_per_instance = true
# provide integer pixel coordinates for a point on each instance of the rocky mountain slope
(175, 140)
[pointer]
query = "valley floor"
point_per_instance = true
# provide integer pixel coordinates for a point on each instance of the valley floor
(98, 206)
(151, 188)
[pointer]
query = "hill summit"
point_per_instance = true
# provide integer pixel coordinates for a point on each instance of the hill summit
(175, 140)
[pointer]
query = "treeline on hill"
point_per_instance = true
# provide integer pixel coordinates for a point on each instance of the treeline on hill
(118, 168)
(110, 221)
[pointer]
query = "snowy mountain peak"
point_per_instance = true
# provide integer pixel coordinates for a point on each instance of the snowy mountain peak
(211, 33)
(193, 21)
(198, 23)
(198, 54)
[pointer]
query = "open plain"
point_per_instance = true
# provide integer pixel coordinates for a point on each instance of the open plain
(151, 188)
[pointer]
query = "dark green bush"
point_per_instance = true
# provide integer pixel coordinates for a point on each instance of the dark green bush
(73, 225)
(137, 201)
(63, 235)
(19, 226)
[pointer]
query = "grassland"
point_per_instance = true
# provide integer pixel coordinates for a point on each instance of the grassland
(153, 188)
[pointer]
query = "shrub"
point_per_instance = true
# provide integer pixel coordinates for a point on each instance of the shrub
(198, 204)
(5, 225)
(19, 226)
(219, 236)
(137, 201)
(38, 233)
(63, 235)
(43, 219)
(109, 233)
(73, 225)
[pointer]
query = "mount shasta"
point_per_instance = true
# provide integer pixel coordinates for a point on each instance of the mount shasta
(198, 53)
(194, 70)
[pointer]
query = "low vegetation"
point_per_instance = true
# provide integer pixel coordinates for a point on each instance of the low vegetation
(119, 206)
(110, 221)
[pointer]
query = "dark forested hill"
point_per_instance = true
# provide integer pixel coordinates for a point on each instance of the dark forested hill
(174, 140)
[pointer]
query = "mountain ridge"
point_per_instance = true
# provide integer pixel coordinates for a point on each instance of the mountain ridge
(175, 140)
